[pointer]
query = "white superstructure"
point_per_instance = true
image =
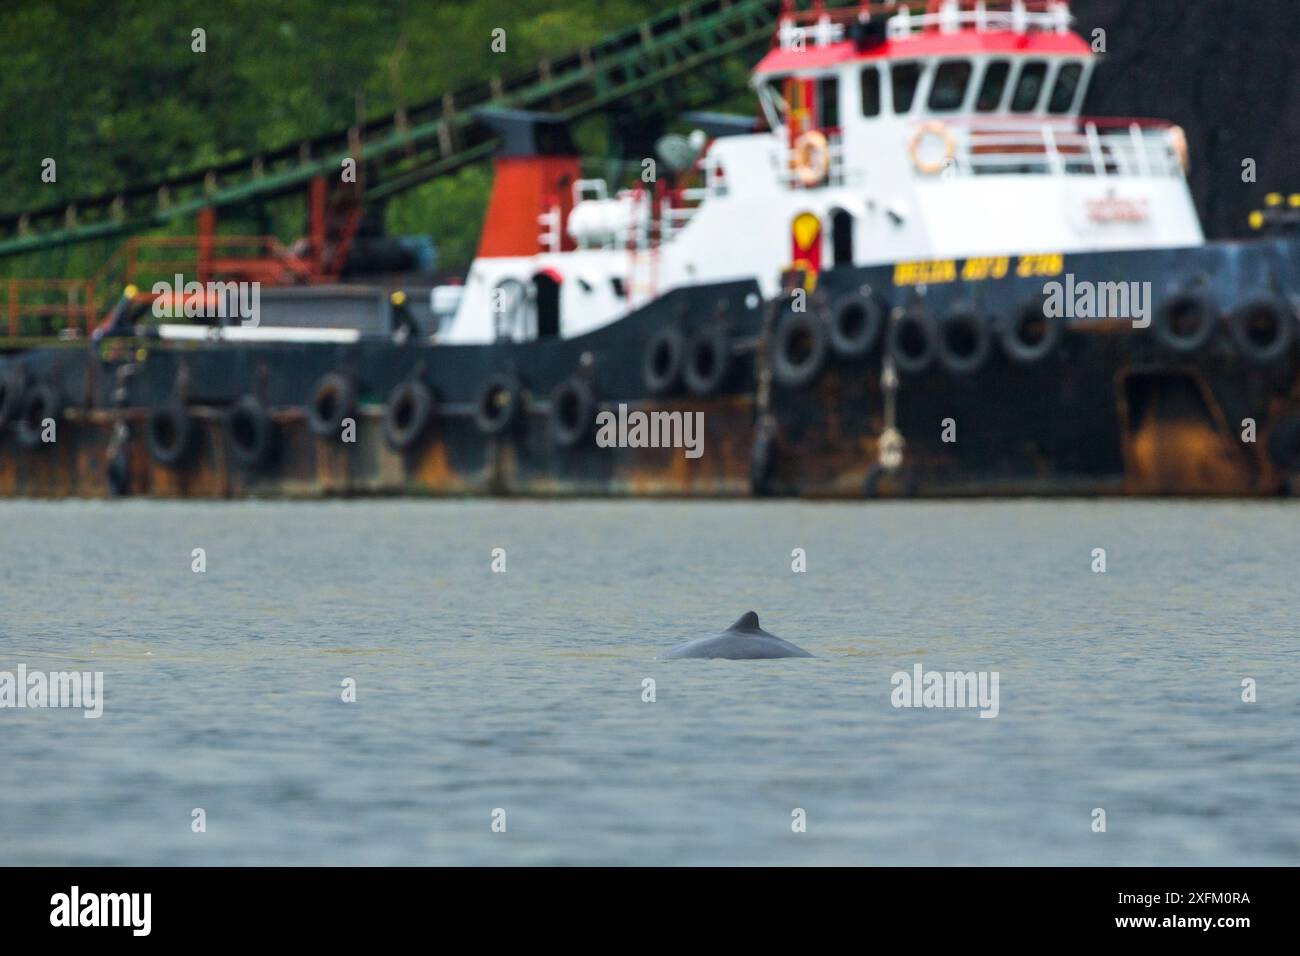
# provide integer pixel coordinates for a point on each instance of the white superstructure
(906, 137)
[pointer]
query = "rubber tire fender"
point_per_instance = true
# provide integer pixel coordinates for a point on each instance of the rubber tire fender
(332, 400)
(499, 404)
(1206, 313)
(572, 411)
(708, 361)
(952, 360)
(661, 367)
(855, 324)
(172, 421)
(904, 361)
(1025, 352)
(40, 402)
(407, 414)
(792, 371)
(251, 432)
(1252, 351)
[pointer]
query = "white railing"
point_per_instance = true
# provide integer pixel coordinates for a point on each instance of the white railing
(812, 28)
(822, 32)
(549, 238)
(953, 17)
(1093, 148)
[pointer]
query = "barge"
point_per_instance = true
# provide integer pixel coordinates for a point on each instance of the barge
(919, 272)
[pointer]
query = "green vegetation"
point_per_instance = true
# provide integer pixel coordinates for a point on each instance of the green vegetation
(115, 95)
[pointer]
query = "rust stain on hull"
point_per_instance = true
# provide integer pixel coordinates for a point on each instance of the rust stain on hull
(1170, 431)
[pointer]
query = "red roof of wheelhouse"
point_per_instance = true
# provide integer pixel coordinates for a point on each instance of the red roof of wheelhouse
(925, 45)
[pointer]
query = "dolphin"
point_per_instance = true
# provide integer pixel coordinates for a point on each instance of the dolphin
(743, 641)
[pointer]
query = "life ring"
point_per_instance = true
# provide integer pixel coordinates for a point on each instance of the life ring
(332, 400)
(1186, 323)
(932, 128)
(1178, 139)
(407, 414)
(661, 369)
(855, 324)
(572, 405)
(811, 158)
(251, 432)
(170, 434)
(498, 404)
(708, 361)
(1267, 316)
(1032, 334)
(40, 403)
(962, 342)
(798, 349)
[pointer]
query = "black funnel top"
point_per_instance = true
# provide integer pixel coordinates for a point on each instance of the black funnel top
(527, 132)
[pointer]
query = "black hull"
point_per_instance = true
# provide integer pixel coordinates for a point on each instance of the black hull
(1113, 409)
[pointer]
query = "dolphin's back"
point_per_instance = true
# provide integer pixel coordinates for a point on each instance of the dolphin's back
(743, 641)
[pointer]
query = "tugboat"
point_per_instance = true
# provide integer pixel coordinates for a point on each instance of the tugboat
(920, 271)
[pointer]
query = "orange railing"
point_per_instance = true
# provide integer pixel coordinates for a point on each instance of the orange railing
(72, 307)
(48, 300)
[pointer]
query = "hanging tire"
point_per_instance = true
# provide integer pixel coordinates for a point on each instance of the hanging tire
(572, 412)
(251, 432)
(39, 404)
(708, 360)
(407, 414)
(498, 404)
(962, 342)
(11, 394)
(855, 324)
(1185, 324)
(1262, 330)
(661, 368)
(170, 434)
(761, 462)
(332, 400)
(911, 343)
(1031, 335)
(798, 350)
(1284, 444)
(118, 474)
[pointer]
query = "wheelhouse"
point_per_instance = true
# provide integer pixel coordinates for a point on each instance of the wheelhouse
(984, 86)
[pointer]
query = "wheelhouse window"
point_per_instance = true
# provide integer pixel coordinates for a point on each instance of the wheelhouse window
(1067, 85)
(771, 96)
(870, 91)
(1029, 87)
(992, 86)
(828, 98)
(948, 92)
(905, 77)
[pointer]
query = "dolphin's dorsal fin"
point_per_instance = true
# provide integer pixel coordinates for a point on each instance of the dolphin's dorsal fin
(747, 622)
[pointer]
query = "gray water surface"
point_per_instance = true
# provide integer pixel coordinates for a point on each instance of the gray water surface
(523, 691)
